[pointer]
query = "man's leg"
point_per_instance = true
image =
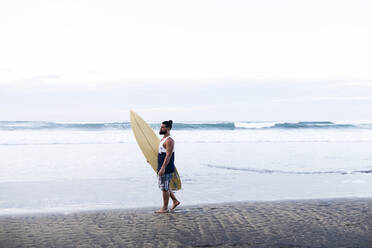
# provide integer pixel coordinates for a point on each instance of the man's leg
(164, 209)
(174, 199)
(164, 186)
(165, 199)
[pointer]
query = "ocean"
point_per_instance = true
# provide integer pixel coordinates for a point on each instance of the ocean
(65, 167)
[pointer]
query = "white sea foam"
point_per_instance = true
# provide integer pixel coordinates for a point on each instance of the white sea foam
(255, 125)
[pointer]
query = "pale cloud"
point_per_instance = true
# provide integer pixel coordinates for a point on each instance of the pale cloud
(119, 40)
(353, 83)
(5, 69)
(43, 77)
(179, 109)
(220, 100)
(324, 98)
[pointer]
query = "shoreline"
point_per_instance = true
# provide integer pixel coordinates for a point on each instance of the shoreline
(150, 209)
(335, 222)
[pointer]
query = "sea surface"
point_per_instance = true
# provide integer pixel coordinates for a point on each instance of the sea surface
(65, 167)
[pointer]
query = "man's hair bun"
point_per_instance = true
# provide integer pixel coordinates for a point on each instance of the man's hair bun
(168, 124)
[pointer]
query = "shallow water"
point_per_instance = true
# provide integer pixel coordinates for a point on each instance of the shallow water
(71, 169)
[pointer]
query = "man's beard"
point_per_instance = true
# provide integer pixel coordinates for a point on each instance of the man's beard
(162, 132)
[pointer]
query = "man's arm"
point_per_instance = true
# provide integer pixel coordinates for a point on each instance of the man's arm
(169, 144)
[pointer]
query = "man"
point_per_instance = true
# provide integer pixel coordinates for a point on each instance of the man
(166, 166)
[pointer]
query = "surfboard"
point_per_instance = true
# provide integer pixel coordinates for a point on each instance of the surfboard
(148, 142)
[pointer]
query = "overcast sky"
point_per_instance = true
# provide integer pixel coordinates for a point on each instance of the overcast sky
(186, 60)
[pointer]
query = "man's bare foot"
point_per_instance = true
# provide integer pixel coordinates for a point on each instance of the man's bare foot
(162, 211)
(175, 204)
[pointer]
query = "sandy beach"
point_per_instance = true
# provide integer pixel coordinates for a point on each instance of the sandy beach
(301, 223)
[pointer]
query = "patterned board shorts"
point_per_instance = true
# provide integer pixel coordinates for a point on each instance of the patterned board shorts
(163, 181)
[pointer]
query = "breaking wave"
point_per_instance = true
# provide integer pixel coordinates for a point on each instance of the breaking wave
(44, 125)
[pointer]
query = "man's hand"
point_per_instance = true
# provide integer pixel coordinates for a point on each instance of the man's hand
(161, 172)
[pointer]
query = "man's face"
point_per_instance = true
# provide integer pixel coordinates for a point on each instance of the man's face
(163, 129)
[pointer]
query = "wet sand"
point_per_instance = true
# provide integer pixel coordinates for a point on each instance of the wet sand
(302, 223)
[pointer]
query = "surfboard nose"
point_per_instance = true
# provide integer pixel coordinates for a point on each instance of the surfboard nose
(132, 113)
